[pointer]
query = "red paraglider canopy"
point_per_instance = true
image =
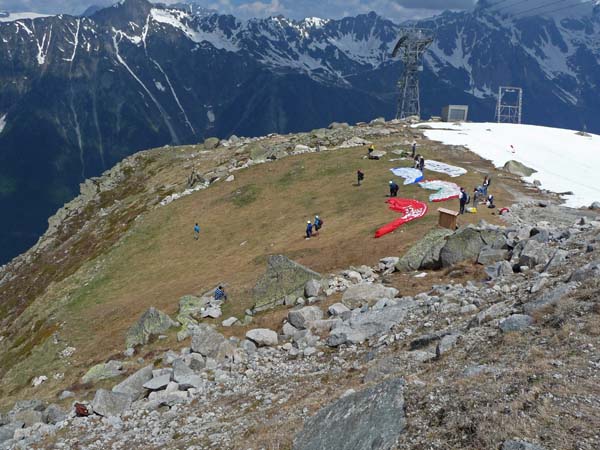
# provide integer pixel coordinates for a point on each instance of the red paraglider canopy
(410, 210)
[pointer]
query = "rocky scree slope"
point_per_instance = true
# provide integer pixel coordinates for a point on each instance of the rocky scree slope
(512, 362)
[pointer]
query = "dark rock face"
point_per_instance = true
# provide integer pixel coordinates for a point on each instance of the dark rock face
(78, 94)
(371, 419)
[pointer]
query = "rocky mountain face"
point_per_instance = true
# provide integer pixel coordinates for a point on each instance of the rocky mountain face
(79, 94)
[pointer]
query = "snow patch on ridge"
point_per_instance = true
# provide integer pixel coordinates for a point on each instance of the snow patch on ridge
(2, 122)
(23, 16)
(565, 160)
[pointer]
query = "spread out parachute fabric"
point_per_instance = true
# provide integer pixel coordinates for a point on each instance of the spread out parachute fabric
(436, 166)
(409, 174)
(410, 210)
(446, 190)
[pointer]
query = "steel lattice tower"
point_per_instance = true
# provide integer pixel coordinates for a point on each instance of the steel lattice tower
(509, 111)
(412, 45)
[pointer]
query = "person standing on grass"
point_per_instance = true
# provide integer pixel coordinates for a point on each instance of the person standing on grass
(318, 224)
(309, 228)
(360, 176)
(394, 189)
(486, 184)
(196, 231)
(414, 149)
(462, 200)
(421, 163)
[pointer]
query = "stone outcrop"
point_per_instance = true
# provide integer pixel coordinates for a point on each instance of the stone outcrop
(425, 254)
(152, 323)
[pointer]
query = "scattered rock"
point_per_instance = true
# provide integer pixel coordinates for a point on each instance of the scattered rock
(263, 337)
(211, 143)
(520, 445)
(517, 168)
(133, 385)
(152, 323)
(312, 288)
(371, 419)
(548, 298)
(108, 403)
(158, 383)
(516, 322)
(103, 371)
(283, 277)
(366, 294)
(425, 254)
(208, 342)
(230, 322)
(337, 309)
(300, 317)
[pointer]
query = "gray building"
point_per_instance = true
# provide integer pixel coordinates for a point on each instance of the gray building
(455, 113)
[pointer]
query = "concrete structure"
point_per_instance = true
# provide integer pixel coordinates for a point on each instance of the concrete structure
(455, 113)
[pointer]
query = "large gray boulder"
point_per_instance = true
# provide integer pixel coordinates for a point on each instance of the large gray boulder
(533, 253)
(190, 308)
(488, 256)
(152, 323)
(549, 298)
(372, 419)
(8, 431)
(517, 168)
(103, 371)
(283, 277)
(516, 322)
(367, 294)
(262, 337)
(134, 384)
(210, 343)
(463, 245)
(299, 318)
(425, 254)
(589, 271)
(312, 288)
(499, 270)
(108, 403)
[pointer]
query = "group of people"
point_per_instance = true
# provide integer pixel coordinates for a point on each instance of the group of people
(312, 229)
(419, 162)
(480, 192)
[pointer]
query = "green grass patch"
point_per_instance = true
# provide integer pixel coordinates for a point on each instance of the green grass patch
(245, 195)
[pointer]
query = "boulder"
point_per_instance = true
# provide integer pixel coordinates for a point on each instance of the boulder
(312, 288)
(499, 270)
(533, 253)
(366, 294)
(371, 419)
(595, 206)
(8, 431)
(134, 384)
(109, 404)
(190, 308)
(158, 383)
(208, 342)
(289, 329)
(323, 326)
(589, 271)
(283, 277)
(54, 414)
(549, 298)
(557, 259)
(181, 370)
(488, 256)
(230, 322)
(338, 125)
(516, 322)
(463, 245)
(103, 371)
(152, 323)
(29, 417)
(300, 317)
(337, 309)
(262, 337)
(211, 143)
(517, 168)
(520, 445)
(425, 254)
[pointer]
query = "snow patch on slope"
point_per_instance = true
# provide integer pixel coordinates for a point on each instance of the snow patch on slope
(565, 161)
(2, 122)
(22, 16)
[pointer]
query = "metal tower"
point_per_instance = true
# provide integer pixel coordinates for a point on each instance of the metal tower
(412, 45)
(510, 104)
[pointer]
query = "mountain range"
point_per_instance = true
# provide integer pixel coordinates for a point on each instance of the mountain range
(78, 94)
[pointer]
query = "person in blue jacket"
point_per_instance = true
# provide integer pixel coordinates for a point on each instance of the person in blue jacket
(394, 189)
(196, 231)
(220, 293)
(318, 224)
(309, 228)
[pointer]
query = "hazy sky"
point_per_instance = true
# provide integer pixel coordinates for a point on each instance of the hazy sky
(393, 9)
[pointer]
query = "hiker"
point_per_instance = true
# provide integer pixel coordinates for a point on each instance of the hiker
(417, 161)
(490, 202)
(360, 175)
(476, 194)
(196, 231)
(421, 163)
(414, 148)
(220, 293)
(309, 228)
(463, 199)
(393, 189)
(371, 150)
(486, 184)
(318, 224)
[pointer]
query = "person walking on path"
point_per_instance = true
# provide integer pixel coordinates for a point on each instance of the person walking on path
(463, 198)
(393, 189)
(220, 293)
(196, 231)
(318, 224)
(309, 228)
(360, 175)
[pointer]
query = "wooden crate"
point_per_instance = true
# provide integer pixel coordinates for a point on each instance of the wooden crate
(447, 218)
